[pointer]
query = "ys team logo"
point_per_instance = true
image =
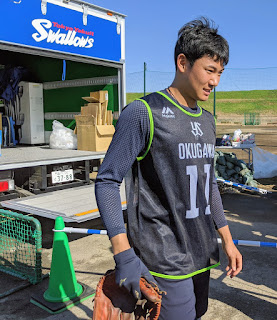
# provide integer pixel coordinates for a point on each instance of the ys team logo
(167, 113)
(196, 130)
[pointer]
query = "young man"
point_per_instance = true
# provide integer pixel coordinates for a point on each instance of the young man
(173, 201)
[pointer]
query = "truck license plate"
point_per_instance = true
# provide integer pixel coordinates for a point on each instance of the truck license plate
(62, 176)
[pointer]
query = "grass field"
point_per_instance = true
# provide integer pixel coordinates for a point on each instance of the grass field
(236, 102)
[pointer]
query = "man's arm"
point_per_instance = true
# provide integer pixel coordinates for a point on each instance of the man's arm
(234, 257)
(129, 140)
(120, 243)
(217, 207)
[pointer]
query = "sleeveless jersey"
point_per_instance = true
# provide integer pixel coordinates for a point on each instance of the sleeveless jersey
(169, 197)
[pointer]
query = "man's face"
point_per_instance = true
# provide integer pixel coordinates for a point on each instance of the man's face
(202, 77)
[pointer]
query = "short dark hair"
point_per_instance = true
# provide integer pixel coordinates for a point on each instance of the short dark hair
(199, 38)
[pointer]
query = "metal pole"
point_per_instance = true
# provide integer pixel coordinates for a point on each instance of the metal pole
(214, 103)
(104, 232)
(250, 243)
(144, 79)
(242, 186)
(82, 231)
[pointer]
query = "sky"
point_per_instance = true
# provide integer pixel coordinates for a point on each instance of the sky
(250, 27)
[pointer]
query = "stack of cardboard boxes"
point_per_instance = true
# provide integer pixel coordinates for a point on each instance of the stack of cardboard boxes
(95, 124)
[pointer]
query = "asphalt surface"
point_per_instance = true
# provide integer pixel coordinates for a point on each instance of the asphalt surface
(251, 295)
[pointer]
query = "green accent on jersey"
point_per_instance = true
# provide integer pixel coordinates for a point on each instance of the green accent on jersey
(166, 276)
(151, 129)
(179, 107)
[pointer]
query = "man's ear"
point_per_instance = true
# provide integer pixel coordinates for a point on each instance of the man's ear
(182, 63)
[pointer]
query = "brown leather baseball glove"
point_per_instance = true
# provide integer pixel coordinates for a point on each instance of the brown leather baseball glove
(113, 302)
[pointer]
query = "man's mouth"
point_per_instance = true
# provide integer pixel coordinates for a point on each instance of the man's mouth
(207, 91)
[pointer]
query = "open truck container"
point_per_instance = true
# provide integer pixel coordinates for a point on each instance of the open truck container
(72, 48)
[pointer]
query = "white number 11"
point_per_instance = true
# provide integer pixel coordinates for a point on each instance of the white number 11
(192, 172)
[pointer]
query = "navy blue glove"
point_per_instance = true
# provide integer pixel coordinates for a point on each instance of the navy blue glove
(128, 271)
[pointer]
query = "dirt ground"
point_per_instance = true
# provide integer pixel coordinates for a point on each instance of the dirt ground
(251, 295)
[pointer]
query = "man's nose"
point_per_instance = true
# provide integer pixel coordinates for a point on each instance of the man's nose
(214, 81)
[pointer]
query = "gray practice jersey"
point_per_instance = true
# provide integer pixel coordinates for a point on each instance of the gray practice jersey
(130, 140)
(169, 202)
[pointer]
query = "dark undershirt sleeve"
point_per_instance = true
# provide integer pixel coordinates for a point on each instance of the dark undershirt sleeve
(129, 141)
(217, 207)
(217, 210)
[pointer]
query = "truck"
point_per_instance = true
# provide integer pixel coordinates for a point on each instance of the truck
(53, 53)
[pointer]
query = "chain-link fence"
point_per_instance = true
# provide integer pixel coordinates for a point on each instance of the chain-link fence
(241, 93)
(231, 80)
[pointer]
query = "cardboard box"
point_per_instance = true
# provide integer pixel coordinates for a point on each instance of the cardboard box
(92, 137)
(97, 106)
(100, 96)
(91, 109)
(104, 106)
(109, 117)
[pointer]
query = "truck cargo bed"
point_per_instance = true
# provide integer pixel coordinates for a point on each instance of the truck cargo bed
(74, 204)
(23, 157)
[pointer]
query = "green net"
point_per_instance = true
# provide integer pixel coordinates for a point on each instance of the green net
(20, 246)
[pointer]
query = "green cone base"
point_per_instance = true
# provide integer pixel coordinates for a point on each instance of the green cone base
(60, 298)
(58, 307)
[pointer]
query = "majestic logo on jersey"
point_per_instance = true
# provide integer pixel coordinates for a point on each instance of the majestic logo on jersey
(196, 129)
(168, 113)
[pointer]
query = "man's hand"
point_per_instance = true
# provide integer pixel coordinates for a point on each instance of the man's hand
(128, 271)
(129, 268)
(234, 257)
